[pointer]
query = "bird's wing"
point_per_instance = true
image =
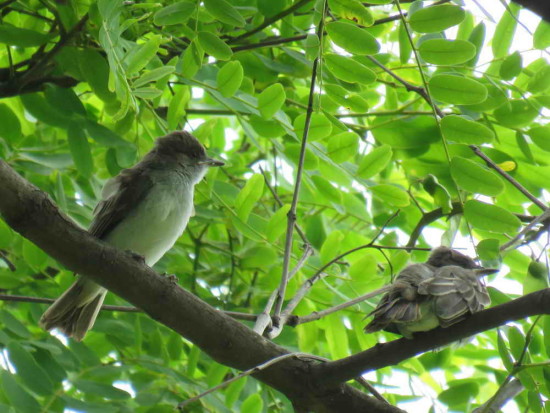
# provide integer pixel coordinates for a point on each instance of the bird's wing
(457, 292)
(120, 195)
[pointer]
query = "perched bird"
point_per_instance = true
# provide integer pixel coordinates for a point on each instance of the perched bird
(441, 292)
(144, 209)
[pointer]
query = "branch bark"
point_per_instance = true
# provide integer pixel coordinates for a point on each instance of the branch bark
(393, 352)
(33, 214)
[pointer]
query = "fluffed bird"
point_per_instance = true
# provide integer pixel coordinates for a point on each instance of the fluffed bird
(144, 209)
(441, 292)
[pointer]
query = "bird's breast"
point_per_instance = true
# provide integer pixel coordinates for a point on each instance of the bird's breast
(154, 225)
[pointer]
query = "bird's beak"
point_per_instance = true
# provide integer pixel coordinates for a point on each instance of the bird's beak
(480, 272)
(212, 162)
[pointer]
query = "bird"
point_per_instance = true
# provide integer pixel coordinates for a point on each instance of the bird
(441, 292)
(144, 210)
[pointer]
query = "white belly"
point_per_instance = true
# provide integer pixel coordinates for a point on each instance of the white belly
(154, 226)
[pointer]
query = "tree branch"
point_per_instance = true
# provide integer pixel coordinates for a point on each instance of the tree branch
(33, 214)
(393, 352)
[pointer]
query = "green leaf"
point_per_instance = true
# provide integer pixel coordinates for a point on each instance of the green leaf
(477, 38)
(252, 404)
(95, 69)
(490, 218)
(249, 195)
(141, 54)
(541, 37)
(176, 107)
(101, 389)
(505, 355)
(319, 127)
(233, 392)
(104, 136)
(271, 100)
(311, 46)
(473, 177)
(34, 256)
(459, 393)
(191, 60)
(147, 92)
(214, 46)
(80, 150)
(351, 10)
(331, 246)
(17, 395)
(511, 66)
(457, 90)
(177, 13)
(277, 223)
(13, 324)
(260, 257)
(326, 190)
(38, 107)
(462, 130)
(352, 38)
(229, 78)
(30, 372)
(391, 194)
(343, 146)
(154, 75)
(10, 127)
(348, 70)
(292, 151)
(375, 161)
(540, 135)
(224, 12)
(540, 82)
(446, 52)
(504, 32)
(15, 36)
(516, 114)
(436, 18)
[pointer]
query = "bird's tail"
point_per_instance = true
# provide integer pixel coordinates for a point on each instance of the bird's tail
(74, 313)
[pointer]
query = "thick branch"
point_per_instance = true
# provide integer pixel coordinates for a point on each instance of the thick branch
(387, 354)
(33, 214)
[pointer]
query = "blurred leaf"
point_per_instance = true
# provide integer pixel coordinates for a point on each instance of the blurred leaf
(490, 217)
(224, 12)
(271, 100)
(17, 395)
(249, 195)
(214, 46)
(504, 32)
(436, 18)
(349, 70)
(462, 130)
(176, 13)
(375, 161)
(457, 90)
(446, 52)
(473, 177)
(352, 38)
(229, 78)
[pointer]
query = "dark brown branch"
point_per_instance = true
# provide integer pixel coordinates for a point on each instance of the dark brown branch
(394, 352)
(33, 214)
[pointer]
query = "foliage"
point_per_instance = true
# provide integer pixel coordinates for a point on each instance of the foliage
(87, 87)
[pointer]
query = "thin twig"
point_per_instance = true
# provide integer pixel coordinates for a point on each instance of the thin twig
(120, 308)
(280, 203)
(268, 22)
(292, 212)
(370, 388)
(409, 86)
(245, 373)
(264, 319)
(4, 257)
(509, 178)
(317, 315)
(542, 217)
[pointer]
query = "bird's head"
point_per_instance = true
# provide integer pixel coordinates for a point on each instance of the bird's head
(187, 152)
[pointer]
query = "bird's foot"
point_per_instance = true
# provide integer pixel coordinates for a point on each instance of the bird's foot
(171, 277)
(138, 257)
